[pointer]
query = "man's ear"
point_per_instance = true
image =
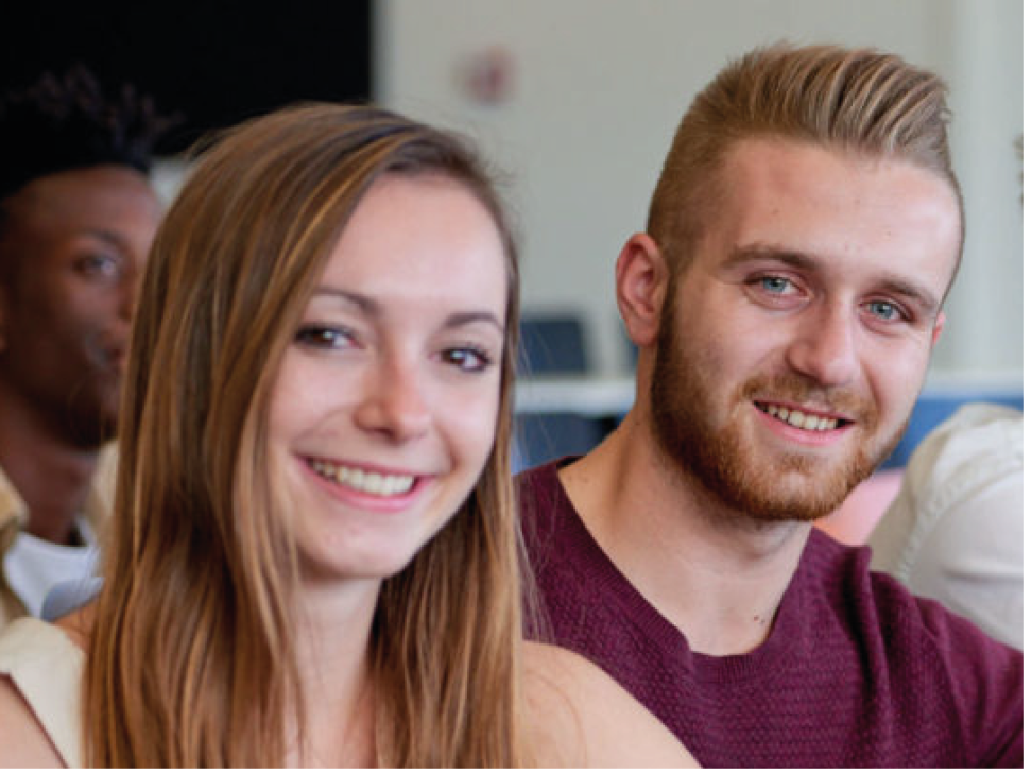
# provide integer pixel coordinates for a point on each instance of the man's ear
(641, 282)
(940, 323)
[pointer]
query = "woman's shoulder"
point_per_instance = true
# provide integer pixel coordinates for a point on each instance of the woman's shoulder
(40, 686)
(577, 715)
(23, 742)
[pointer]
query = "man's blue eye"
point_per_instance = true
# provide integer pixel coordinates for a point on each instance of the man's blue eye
(775, 284)
(884, 310)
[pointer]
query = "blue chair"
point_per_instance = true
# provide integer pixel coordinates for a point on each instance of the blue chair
(553, 344)
(933, 408)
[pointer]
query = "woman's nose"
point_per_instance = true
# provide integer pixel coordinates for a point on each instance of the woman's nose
(394, 402)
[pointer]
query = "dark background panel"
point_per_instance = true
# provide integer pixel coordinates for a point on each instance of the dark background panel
(216, 63)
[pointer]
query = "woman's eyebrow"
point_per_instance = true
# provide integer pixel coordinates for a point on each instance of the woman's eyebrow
(366, 304)
(372, 308)
(474, 316)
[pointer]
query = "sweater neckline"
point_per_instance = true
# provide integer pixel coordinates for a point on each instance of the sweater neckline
(787, 641)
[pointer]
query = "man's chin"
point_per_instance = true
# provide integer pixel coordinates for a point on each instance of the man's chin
(781, 490)
(796, 507)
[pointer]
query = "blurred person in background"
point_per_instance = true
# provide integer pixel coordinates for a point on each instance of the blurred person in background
(77, 216)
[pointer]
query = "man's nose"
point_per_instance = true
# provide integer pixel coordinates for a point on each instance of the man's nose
(824, 349)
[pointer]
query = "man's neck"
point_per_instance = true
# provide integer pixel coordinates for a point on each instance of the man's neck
(715, 573)
(52, 477)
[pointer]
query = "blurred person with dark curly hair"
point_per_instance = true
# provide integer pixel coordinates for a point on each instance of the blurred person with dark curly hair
(77, 216)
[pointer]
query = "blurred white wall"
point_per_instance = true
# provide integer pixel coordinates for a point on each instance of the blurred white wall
(598, 86)
(985, 74)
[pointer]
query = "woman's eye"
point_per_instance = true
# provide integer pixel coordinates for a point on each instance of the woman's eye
(324, 337)
(467, 359)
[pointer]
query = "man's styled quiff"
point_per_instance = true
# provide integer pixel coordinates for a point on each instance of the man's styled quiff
(859, 101)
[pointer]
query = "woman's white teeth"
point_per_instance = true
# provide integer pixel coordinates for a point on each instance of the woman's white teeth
(802, 420)
(363, 480)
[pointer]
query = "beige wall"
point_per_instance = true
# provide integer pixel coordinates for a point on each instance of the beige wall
(598, 86)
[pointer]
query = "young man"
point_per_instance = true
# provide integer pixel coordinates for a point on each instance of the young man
(785, 299)
(77, 216)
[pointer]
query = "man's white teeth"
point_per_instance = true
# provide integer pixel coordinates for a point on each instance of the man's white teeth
(802, 420)
(365, 481)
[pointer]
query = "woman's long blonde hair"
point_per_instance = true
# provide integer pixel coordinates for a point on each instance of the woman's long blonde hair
(191, 660)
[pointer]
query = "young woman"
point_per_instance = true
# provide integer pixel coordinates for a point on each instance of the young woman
(314, 559)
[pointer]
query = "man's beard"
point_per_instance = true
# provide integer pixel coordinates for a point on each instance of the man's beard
(725, 462)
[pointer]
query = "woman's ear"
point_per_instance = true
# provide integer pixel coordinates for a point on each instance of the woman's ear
(641, 282)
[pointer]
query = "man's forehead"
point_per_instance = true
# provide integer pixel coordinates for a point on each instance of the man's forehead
(828, 201)
(782, 163)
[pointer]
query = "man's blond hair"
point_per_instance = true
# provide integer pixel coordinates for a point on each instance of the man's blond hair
(860, 101)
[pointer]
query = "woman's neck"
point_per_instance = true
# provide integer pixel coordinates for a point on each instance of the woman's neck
(334, 668)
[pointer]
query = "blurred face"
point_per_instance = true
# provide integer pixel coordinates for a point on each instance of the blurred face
(385, 407)
(794, 345)
(75, 246)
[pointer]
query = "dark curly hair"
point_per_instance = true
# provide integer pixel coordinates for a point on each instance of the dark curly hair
(62, 123)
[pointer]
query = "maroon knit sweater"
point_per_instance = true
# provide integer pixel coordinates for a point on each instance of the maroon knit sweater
(856, 671)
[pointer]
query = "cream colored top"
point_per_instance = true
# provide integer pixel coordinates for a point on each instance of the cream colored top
(955, 532)
(46, 668)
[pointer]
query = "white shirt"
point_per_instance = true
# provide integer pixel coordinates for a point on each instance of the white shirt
(33, 566)
(955, 532)
(14, 516)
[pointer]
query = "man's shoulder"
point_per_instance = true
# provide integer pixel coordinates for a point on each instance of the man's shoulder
(542, 499)
(908, 631)
(940, 657)
(539, 479)
(941, 685)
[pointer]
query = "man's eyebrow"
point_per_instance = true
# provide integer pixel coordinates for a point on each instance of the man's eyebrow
(371, 307)
(927, 302)
(759, 251)
(887, 282)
